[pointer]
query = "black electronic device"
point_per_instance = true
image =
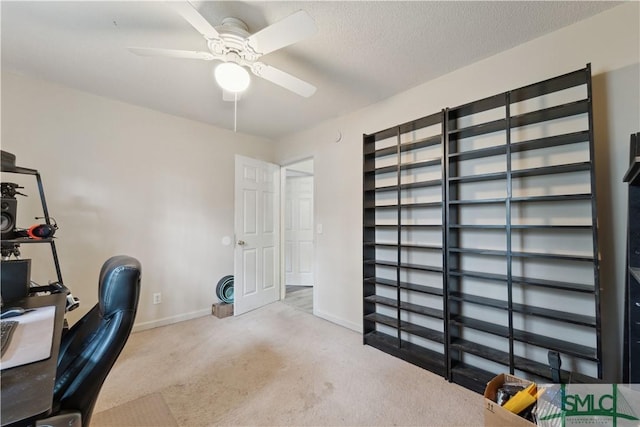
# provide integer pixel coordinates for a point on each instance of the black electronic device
(9, 208)
(37, 231)
(42, 231)
(7, 328)
(15, 279)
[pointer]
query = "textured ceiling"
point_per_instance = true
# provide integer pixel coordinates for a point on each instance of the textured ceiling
(364, 51)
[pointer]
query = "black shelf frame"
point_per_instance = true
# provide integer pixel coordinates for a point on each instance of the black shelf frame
(631, 346)
(457, 335)
(45, 210)
(397, 291)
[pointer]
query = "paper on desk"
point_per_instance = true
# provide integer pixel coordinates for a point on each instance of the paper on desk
(31, 341)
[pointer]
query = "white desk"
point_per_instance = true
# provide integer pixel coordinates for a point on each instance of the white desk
(27, 389)
(32, 338)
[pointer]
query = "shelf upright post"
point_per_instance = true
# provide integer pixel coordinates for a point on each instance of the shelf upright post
(445, 238)
(594, 221)
(451, 193)
(398, 234)
(368, 249)
(508, 230)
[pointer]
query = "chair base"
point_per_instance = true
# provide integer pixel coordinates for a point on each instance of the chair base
(69, 419)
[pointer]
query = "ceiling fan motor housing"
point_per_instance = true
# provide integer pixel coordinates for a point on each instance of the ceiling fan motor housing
(233, 40)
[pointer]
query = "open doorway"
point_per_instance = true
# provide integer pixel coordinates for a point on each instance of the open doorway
(298, 235)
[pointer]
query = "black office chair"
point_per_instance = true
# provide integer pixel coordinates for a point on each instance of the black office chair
(91, 346)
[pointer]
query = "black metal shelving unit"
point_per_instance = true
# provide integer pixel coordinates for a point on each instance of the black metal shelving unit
(404, 263)
(631, 351)
(518, 272)
(12, 169)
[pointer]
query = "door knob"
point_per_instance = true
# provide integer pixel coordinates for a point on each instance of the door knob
(241, 242)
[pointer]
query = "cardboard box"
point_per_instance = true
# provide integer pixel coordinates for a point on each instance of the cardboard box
(222, 310)
(494, 414)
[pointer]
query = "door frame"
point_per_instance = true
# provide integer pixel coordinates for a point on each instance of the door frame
(283, 181)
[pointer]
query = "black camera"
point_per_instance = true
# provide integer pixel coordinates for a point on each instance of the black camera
(9, 190)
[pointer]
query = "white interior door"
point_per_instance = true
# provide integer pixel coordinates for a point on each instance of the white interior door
(299, 231)
(257, 249)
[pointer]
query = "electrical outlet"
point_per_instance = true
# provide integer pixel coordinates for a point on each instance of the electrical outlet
(157, 298)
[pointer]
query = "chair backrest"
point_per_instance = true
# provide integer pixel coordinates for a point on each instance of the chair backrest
(91, 346)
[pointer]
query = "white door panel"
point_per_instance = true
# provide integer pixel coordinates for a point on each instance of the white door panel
(256, 266)
(299, 231)
(305, 261)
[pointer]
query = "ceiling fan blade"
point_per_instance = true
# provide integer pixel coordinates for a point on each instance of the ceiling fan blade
(283, 33)
(193, 17)
(172, 53)
(283, 79)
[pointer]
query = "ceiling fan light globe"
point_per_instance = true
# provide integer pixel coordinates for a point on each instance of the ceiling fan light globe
(232, 77)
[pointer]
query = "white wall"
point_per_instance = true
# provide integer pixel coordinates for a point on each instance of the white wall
(121, 179)
(609, 41)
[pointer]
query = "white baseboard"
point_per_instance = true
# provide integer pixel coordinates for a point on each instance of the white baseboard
(337, 320)
(169, 320)
(200, 313)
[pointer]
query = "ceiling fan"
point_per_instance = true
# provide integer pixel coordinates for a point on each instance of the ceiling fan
(232, 44)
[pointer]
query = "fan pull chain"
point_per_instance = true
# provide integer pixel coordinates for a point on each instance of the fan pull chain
(235, 112)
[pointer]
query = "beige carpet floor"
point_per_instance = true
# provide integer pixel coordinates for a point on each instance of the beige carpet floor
(275, 366)
(150, 410)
